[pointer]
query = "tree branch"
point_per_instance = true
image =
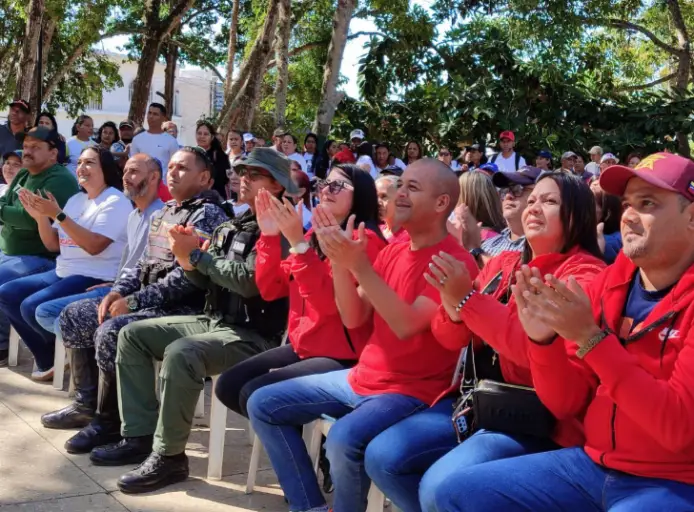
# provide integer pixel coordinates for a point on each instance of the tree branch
(198, 13)
(627, 25)
(318, 44)
(191, 51)
(647, 85)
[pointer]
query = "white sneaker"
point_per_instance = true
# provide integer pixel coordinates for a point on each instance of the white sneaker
(42, 376)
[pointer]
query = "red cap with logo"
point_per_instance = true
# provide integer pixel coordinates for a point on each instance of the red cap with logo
(508, 134)
(663, 170)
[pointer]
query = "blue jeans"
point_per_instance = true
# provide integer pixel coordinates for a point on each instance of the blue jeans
(14, 267)
(47, 313)
(482, 447)
(397, 458)
(557, 481)
(19, 300)
(275, 412)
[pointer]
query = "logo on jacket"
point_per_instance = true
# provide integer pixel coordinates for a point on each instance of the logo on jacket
(670, 334)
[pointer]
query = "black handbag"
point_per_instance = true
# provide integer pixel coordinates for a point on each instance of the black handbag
(498, 406)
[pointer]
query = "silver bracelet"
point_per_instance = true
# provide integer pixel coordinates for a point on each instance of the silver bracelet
(464, 301)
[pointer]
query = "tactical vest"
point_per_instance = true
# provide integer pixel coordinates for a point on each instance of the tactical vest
(269, 319)
(160, 259)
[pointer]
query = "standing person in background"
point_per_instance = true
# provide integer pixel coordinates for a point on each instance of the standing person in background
(278, 139)
(567, 162)
(206, 138)
(474, 156)
(12, 131)
(607, 160)
(325, 158)
(108, 136)
(382, 158)
(126, 131)
(82, 132)
(446, 157)
(508, 159)
(365, 159)
(155, 142)
(593, 166)
(47, 120)
(356, 138)
(543, 160)
(289, 143)
(633, 159)
(580, 168)
(249, 142)
(171, 128)
(310, 152)
(235, 146)
(386, 190)
(413, 152)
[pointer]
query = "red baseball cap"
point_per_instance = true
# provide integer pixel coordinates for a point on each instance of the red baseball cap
(663, 170)
(508, 134)
(21, 104)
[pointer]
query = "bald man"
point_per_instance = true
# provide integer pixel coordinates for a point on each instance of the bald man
(402, 369)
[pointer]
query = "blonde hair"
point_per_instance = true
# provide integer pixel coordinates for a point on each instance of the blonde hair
(479, 194)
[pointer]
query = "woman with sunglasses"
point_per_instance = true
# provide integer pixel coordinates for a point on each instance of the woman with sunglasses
(415, 462)
(318, 342)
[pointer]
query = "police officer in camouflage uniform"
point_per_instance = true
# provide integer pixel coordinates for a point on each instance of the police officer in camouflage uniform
(237, 325)
(155, 287)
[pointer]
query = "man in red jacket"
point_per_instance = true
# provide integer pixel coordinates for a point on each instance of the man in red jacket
(620, 357)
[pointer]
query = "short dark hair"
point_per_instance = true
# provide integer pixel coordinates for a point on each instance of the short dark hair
(200, 155)
(161, 107)
(112, 173)
(311, 135)
(382, 145)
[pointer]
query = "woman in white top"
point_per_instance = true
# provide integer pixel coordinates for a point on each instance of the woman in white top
(289, 143)
(81, 139)
(365, 159)
(89, 234)
(310, 151)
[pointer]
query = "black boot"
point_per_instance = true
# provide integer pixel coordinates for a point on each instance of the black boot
(128, 451)
(105, 427)
(156, 472)
(85, 375)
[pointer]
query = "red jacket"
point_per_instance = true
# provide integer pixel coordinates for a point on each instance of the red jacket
(315, 327)
(636, 396)
(486, 317)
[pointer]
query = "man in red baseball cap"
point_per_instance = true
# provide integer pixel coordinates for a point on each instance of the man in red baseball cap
(508, 160)
(618, 358)
(12, 132)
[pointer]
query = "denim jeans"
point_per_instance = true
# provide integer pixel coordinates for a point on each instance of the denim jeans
(19, 300)
(47, 313)
(14, 267)
(276, 410)
(559, 480)
(482, 447)
(397, 458)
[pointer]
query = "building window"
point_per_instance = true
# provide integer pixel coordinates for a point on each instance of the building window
(131, 88)
(96, 103)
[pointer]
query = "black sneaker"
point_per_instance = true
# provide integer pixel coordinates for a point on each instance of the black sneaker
(155, 473)
(4, 357)
(128, 451)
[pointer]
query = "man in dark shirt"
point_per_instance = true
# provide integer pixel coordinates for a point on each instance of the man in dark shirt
(11, 133)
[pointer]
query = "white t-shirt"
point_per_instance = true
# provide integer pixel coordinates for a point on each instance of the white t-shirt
(161, 146)
(367, 164)
(299, 159)
(3, 188)
(310, 161)
(74, 150)
(509, 164)
(107, 214)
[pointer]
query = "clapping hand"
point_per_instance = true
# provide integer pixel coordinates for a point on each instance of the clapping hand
(280, 216)
(38, 206)
(450, 277)
(183, 241)
(338, 244)
(532, 322)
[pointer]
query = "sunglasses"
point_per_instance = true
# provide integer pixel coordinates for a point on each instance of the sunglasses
(444, 154)
(334, 187)
(514, 190)
(253, 174)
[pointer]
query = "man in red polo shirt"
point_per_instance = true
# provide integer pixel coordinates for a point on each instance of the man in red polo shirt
(620, 357)
(402, 368)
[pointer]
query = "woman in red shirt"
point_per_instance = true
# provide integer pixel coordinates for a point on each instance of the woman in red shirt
(415, 461)
(318, 341)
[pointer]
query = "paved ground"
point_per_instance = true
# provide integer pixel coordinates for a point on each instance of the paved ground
(37, 475)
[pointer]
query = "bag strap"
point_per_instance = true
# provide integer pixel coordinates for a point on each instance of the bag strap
(469, 382)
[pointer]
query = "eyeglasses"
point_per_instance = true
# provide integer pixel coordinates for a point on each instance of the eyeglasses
(334, 187)
(514, 190)
(445, 154)
(253, 174)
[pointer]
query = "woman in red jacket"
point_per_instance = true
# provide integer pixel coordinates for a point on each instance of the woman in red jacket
(318, 341)
(559, 224)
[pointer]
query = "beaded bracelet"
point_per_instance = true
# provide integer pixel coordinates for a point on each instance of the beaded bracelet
(464, 301)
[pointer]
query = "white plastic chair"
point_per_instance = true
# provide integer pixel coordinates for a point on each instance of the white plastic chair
(59, 361)
(13, 356)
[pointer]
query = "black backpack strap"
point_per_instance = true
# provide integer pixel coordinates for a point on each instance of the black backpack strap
(518, 157)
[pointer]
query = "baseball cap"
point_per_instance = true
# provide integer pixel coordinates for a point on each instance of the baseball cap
(8, 154)
(44, 134)
(248, 137)
(357, 134)
(609, 156)
(489, 167)
(391, 170)
(126, 124)
(523, 176)
(508, 134)
(595, 150)
(663, 170)
(545, 154)
(568, 154)
(344, 157)
(280, 132)
(272, 161)
(475, 147)
(24, 105)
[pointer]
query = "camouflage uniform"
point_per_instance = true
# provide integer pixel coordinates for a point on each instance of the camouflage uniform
(157, 282)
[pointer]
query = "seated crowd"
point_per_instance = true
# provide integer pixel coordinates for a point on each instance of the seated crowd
(491, 337)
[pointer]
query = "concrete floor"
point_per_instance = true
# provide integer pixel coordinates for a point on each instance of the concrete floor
(37, 475)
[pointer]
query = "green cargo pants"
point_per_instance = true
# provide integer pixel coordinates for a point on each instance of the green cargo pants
(191, 348)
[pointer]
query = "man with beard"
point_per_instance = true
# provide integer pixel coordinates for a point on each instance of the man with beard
(155, 286)
(140, 180)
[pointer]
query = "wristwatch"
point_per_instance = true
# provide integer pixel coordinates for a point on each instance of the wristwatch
(195, 257)
(60, 217)
(592, 343)
(301, 248)
(476, 252)
(132, 302)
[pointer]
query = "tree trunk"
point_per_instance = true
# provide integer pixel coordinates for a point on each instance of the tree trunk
(329, 97)
(48, 27)
(231, 48)
(143, 80)
(284, 29)
(26, 74)
(684, 63)
(171, 53)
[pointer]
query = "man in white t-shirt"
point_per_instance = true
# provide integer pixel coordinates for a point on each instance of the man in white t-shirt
(508, 160)
(594, 166)
(155, 142)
